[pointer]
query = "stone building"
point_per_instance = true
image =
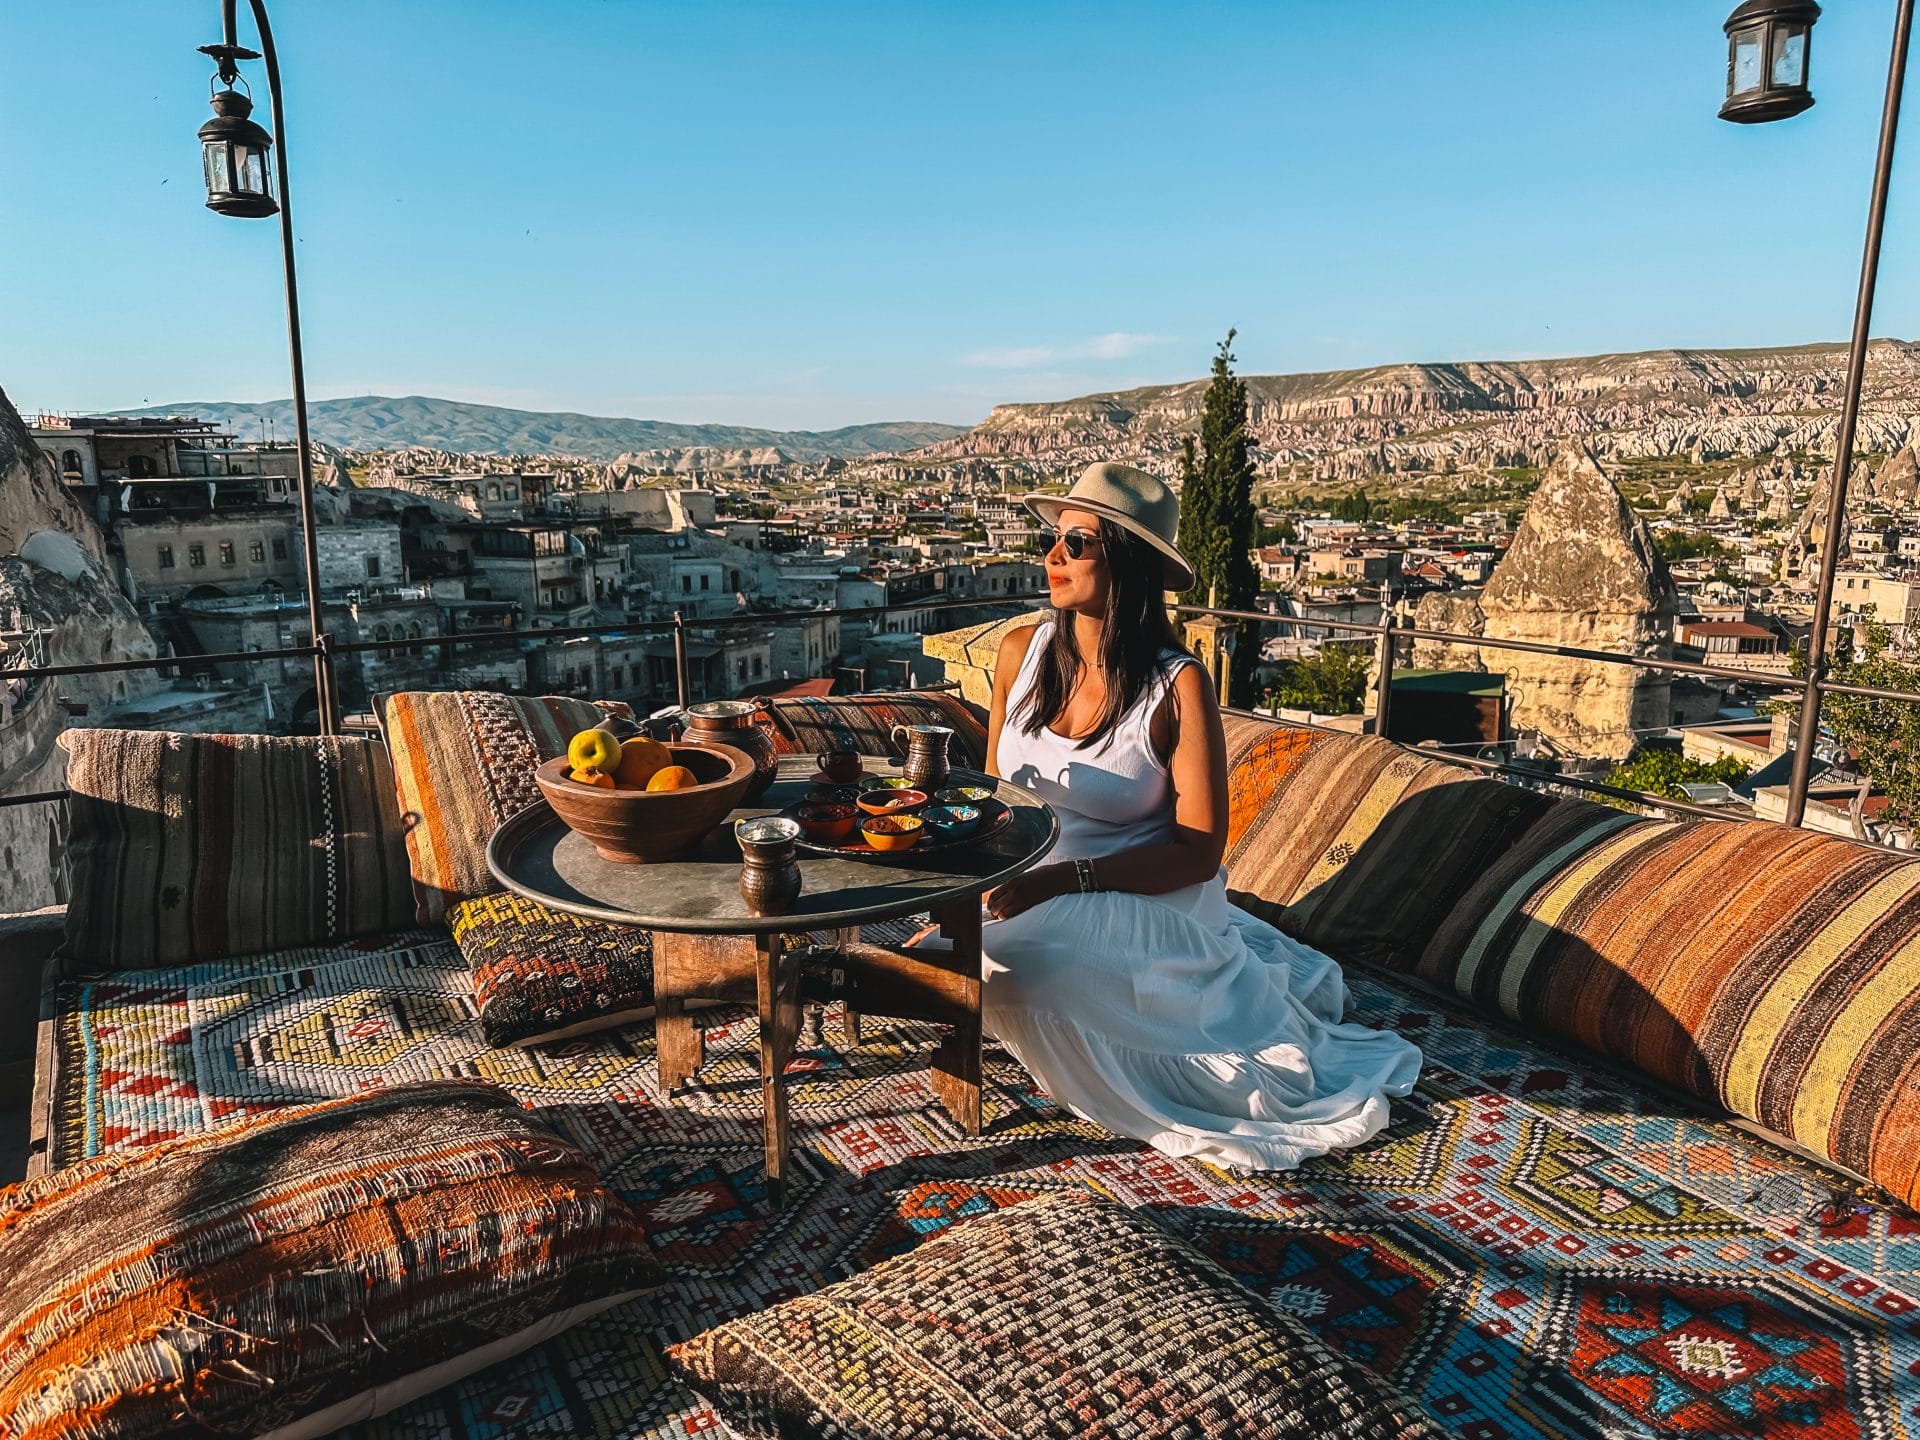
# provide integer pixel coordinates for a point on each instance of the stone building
(358, 555)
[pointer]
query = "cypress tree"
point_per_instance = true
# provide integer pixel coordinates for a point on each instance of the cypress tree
(1218, 518)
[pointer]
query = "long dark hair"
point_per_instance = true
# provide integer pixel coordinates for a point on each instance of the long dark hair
(1135, 635)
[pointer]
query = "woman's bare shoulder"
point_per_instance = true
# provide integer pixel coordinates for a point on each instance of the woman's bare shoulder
(1015, 643)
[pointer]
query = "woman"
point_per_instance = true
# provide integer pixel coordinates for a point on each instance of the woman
(1118, 973)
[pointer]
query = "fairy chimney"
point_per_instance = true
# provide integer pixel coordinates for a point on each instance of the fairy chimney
(1582, 572)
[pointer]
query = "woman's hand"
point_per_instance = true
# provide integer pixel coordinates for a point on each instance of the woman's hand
(1024, 891)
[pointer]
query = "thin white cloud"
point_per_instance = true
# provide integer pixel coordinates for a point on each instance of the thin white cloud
(1117, 345)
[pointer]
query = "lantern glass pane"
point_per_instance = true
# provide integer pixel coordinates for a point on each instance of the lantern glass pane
(213, 155)
(1746, 69)
(252, 170)
(1790, 56)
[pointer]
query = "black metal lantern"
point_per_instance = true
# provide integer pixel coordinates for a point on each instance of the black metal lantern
(235, 151)
(1768, 44)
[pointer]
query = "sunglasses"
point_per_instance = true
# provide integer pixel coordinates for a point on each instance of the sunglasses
(1076, 542)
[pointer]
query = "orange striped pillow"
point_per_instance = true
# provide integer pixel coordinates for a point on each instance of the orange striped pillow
(463, 763)
(301, 1271)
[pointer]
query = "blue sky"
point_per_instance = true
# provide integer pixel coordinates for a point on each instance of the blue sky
(809, 215)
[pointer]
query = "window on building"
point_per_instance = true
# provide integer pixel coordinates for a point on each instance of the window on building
(704, 578)
(686, 584)
(257, 551)
(279, 549)
(373, 567)
(166, 557)
(619, 676)
(742, 669)
(226, 552)
(196, 555)
(757, 672)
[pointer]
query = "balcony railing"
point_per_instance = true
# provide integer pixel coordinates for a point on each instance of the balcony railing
(1386, 632)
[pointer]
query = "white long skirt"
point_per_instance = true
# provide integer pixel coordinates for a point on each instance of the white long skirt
(1183, 1021)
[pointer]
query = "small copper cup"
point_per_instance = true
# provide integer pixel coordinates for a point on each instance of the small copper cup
(770, 863)
(840, 766)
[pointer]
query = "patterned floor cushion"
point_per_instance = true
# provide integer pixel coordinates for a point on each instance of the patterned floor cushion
(541, 975)
(1771, 971)
(186, 848)
(301, 1271)
(463, 762)
(806, 726)
(1064, 1316)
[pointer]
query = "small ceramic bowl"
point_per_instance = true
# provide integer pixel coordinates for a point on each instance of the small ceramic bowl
(950, 822)
(963, 795)
(885, 782)
(827, 823)
(830, 795)
(892, 801)
(893, 832)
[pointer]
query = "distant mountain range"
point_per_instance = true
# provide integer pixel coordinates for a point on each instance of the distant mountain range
(379, 422)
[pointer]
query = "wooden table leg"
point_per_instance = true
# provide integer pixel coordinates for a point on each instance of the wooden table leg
(956, 1069)
(778, 983)
(849, 1017)
(679, 1044)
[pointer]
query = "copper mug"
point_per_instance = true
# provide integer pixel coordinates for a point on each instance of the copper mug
(925, 766)
(770, 868)
(843, 767)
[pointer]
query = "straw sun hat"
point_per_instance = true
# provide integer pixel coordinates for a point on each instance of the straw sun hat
(1129, 498)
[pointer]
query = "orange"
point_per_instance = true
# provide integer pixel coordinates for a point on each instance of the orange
(593, 777)
(640, 760)
(672, 777)
(593, 750)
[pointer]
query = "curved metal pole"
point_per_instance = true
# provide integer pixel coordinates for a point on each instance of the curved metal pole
(1849, 418)
(324, 686)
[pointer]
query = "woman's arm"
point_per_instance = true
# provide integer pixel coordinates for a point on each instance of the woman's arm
(1197, 766)
(1006, 665)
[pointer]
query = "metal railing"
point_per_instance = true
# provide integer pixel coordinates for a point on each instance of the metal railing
(1385, 631)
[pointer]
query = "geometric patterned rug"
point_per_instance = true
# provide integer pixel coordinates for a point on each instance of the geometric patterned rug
(1533, 1249)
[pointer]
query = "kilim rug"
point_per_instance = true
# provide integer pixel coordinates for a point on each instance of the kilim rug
(1533, 1249)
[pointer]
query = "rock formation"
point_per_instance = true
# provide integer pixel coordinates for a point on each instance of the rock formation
(1899, 479)
(1582, 572)
(1722, 507)
(54, 587)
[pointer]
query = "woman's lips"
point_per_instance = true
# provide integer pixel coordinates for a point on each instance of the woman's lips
(1056, 579)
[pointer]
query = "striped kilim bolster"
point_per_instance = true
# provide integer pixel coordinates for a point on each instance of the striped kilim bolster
(806, 725)
(235, 1281)
(463, 763)
(185, 848)
(1317, 800)
(1775, 972)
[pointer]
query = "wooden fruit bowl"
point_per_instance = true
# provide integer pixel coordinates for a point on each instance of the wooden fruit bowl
(632, 827)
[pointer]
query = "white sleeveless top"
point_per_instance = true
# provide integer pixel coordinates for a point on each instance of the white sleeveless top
(1110, 796)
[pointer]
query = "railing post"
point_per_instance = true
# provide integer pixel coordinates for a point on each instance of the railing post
(680, 659)
(1831, 542)
(1383, 677)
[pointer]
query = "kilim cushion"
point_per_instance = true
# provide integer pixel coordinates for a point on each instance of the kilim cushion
(1321, 800)
(1065, 1316)
(463, 763)
(196, 847)
(541, 974)
(1772, 971)
(806, 726)
(301, 1271)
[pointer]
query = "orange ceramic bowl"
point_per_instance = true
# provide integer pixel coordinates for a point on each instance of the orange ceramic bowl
(826, 823)
(893, 832)
(892, 802)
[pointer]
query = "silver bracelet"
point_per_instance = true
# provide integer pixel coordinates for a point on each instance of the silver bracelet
(1083, 872)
